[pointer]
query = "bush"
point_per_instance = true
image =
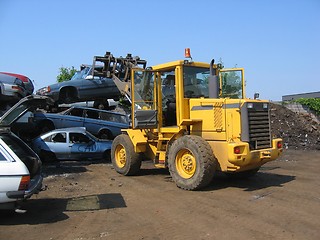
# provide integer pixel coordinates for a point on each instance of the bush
(65, 74)
(312, 103)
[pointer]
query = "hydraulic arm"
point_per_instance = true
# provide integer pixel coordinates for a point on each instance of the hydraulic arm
(119, 69)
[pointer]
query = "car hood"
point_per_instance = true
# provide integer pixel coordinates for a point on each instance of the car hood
(29, 103)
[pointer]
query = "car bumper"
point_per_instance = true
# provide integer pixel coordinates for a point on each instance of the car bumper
(35, 187)
(53, 95)
(12, 90)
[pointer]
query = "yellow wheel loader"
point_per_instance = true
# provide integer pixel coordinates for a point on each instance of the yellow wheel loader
(192, 118)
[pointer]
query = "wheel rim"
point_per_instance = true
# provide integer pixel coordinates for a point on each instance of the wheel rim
(185, 163)
(120, 156)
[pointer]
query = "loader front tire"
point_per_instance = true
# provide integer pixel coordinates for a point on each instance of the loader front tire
(191, 162)
(124, 159)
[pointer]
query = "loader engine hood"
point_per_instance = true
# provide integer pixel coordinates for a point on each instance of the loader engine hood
(243, 120)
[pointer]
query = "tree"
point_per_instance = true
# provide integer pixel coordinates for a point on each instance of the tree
(65, 74)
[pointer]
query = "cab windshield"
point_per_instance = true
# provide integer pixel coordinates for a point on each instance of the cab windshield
(196, 82)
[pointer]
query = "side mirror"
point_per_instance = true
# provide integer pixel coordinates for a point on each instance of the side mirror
(256, 96)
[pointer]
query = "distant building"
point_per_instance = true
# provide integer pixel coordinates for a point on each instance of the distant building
(301, 95)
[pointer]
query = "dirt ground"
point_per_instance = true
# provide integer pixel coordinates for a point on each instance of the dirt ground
(89, 200)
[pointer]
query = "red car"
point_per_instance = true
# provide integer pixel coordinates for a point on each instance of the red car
(26, 81)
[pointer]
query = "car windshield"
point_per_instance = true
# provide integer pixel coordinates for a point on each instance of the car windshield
(81, 74)
(76, 75)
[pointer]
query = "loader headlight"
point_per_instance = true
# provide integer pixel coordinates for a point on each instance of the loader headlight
(265, 105)
(250, 105)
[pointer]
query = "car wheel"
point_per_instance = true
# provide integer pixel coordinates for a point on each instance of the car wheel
(67, 96)
(105, 134)
(101, 104)
(107, 156)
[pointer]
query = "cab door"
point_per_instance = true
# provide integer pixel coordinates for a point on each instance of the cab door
(232, 83)
(144, 99)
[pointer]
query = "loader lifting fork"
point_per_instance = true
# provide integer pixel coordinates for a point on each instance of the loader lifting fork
(119, 69)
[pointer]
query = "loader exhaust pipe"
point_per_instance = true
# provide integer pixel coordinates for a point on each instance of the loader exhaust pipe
(214, 86)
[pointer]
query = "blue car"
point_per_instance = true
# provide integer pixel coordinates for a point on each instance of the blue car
(101, 123)
(71, 144)
(82, 87)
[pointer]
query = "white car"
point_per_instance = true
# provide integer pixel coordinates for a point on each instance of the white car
(20, 166)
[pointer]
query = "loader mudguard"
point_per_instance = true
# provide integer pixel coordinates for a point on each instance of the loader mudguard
(138, 138)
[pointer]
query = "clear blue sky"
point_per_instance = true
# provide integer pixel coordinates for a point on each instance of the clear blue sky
(276, 41)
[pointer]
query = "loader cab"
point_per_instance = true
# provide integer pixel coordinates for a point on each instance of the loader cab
(159, 92)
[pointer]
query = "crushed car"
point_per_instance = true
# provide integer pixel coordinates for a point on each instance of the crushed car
(12, 90)
(28, 84)
(101, 123)
(83, 87)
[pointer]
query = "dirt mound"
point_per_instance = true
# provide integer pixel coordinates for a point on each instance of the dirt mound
(298, 131)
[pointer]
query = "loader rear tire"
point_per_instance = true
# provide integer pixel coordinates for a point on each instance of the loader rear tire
(191, 162)
(124, 159)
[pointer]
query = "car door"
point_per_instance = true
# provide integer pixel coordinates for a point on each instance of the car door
(57, 143)
(94, 88)
(81, 146)
(92, 121)
(11, 172)
(73, 117)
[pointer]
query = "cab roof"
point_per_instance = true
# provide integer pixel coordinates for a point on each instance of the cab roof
(173, 64)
